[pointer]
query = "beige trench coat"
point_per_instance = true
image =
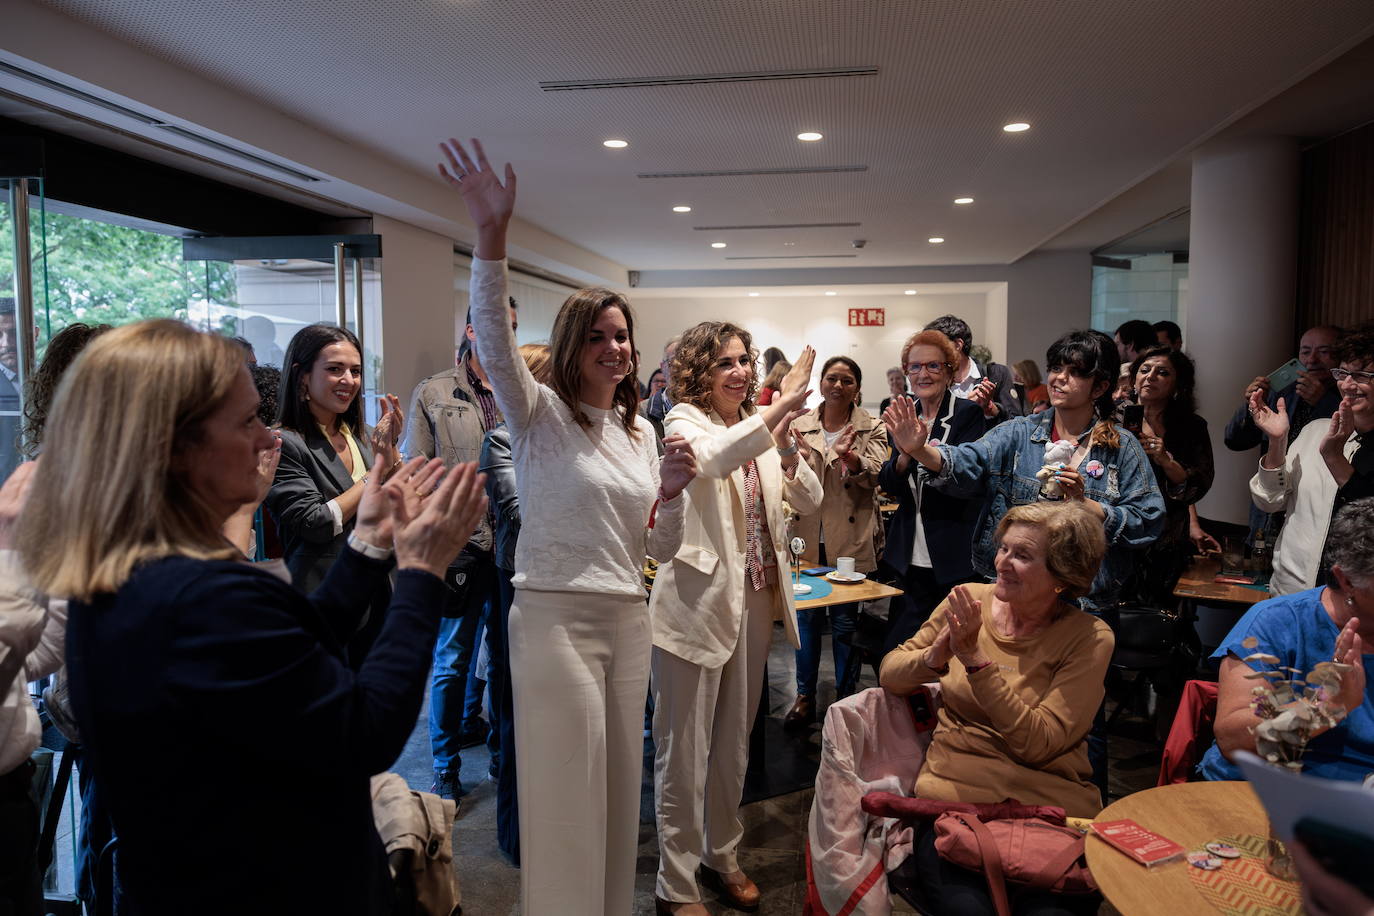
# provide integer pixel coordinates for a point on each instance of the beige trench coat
(849, 507)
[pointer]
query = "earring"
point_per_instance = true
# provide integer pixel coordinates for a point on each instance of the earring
(1349, 601)
(1059, 589)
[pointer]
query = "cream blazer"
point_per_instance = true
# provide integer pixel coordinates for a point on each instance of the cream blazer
(697, 603)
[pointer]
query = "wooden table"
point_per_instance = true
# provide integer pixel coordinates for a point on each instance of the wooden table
(841, 593)
(1190, 814)
(1198, 584)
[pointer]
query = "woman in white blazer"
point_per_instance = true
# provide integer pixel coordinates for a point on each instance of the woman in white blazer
(714, 605)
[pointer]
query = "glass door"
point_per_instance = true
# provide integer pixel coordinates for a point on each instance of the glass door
(264, 289)
(22, 283)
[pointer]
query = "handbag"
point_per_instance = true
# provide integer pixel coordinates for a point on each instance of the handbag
(1039, 852)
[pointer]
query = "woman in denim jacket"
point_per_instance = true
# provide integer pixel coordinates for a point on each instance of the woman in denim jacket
(1109, 470)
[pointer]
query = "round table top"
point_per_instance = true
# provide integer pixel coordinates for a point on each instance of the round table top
(1190, 814)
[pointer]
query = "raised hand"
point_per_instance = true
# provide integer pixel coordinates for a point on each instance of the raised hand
(386, 434)
(1349, 651)
(965, 616)
(844, 443)
(1337, 432)
(430, 539)
(1273, 423)
(374, 519)
(905, 428)
(982, 396)
(489, 202)
(793, 390)
(679, 466)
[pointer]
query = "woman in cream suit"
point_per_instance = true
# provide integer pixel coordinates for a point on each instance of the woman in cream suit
(714, 605)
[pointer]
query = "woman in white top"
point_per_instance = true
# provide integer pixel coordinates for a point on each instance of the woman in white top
(594, 502)
(714, 605)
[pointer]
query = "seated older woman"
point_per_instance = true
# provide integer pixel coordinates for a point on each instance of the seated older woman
(1021, 671)
(1302, 629)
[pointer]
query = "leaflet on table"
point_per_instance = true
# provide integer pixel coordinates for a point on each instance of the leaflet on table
(1289, 797)
(1145, 846)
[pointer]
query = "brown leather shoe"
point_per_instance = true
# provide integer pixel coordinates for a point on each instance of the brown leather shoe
(802, 713)
(741, 896)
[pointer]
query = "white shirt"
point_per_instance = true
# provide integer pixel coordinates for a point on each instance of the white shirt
(964, 387)
(586, 495)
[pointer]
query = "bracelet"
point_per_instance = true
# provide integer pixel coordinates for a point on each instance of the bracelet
(789, 451)
(371, 551)
(976, 668)
(943, 670)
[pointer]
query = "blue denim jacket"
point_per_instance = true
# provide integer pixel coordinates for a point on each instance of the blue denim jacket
(1001, 467)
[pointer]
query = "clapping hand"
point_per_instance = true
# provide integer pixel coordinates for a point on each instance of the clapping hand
(1350, 651)
(1273, 423)
(964, 614)
(793, 390)
(982, 396)
(844, 444)
(268, 459)
(679, 466)
(386, 434)
(430, 539)
(905, 427)
(1342, 424)
(412, 483)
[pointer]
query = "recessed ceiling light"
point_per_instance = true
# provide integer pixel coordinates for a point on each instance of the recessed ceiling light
(1016, 127)
(753, 294)
(682, 208)
(810, 136)
(788, 244)
(717, 244)
(963, 200)
(935, 240)
(830, 292)
(908, 292)
(615, 144)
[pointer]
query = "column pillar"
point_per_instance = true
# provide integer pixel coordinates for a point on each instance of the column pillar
(1242, 280)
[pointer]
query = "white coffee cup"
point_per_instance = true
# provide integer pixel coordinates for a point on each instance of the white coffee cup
(845, 566)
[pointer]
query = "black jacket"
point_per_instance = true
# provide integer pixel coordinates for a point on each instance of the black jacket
(949, 521)
(231, 744)
(499, 466)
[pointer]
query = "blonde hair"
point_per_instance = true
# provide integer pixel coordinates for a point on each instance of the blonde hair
(536, 356)
(1074, 541)
(775, 375)
(106, 496)
(1029, 372)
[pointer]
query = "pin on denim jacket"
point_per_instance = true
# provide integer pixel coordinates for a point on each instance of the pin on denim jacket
(1001, 467)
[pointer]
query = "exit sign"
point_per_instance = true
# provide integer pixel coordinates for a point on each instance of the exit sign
(867, 318)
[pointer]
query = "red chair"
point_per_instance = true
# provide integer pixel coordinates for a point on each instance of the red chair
(1191, 733)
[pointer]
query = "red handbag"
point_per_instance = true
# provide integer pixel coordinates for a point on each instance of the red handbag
(1029, 845)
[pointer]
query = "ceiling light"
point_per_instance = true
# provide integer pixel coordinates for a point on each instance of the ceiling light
(810, 136)
(963, 200)
(682, 208)
(753, 294)
(908, 292)
(830, 292)
(615, 144)
(717, 244)
(1016, 128)
(935, 240)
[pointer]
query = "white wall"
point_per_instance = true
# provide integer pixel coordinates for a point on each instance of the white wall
(417, 304)
(791, 322)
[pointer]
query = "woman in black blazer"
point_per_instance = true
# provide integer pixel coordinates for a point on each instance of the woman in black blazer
(260, 803)
(930, 538)
(327, 454)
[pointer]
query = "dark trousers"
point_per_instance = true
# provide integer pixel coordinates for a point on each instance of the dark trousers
(21, 889)
(455, 697)
(955, 891)
(503, 728)
(921, 594)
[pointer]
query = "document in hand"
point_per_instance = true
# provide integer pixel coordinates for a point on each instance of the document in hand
(1290, 797)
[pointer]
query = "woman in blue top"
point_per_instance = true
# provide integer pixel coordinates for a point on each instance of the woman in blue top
(1108, 470)
(1302, 629)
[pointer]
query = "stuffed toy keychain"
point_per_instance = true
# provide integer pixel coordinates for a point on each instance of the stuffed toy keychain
(1057, 456)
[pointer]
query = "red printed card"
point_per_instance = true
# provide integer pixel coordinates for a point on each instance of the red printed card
(1135, 841)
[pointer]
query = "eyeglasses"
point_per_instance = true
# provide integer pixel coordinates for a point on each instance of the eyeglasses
(932, 368)
(1361, 378)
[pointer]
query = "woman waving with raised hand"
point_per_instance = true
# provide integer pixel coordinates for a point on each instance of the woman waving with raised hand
(594, 502)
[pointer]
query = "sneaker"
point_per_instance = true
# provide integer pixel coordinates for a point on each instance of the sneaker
(447, 785)
(494, 768)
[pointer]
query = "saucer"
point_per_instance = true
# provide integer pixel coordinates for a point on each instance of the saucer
(847, 580)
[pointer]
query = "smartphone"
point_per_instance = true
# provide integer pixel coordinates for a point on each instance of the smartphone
(1343, 852)
(818, 570)
(1133, 418)
(1285, 375)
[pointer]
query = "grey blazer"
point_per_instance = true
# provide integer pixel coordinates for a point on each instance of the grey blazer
(309, 475)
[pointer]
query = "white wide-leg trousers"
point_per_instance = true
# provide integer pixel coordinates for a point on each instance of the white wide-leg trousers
(702, 719)
(579, 672)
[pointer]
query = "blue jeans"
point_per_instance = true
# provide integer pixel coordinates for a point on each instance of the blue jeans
(455, 696)
(844, 619)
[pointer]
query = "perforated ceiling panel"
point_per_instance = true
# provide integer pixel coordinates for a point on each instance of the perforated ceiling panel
(1112, 88)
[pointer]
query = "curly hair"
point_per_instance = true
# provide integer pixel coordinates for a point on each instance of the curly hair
(41, 387)
(267, 379)
(1184, 399)
(1356, 345)
(696, 358)
(931, 338)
